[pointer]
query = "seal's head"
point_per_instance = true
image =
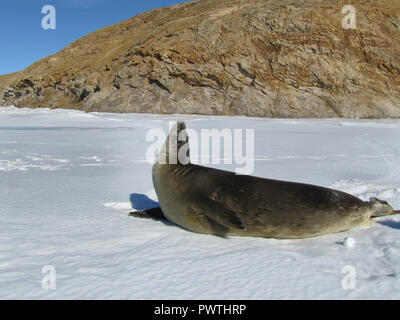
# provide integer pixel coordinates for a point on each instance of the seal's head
(176, 147)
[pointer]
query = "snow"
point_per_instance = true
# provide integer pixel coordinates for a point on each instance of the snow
(349, 242)
(68, 180)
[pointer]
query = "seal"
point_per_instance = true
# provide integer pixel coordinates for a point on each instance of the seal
(212, 201)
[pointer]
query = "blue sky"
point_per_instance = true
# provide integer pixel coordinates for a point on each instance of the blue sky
(24, 41)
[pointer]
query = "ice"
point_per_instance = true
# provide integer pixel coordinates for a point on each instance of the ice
(120, 206)
(68, 180)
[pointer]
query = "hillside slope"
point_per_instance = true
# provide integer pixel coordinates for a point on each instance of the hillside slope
(267, 58)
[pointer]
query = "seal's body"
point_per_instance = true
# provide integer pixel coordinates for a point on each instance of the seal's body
(207, 200)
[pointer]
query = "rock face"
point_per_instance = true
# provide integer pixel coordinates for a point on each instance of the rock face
(267, 58)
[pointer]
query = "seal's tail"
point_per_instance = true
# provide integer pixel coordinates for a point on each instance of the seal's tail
(381, 208)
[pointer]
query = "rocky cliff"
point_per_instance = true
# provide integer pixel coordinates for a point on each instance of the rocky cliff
(267, 58)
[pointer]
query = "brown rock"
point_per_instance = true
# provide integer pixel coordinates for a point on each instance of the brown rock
(267, 58)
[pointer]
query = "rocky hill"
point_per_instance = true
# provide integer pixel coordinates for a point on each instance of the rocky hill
(267, 58)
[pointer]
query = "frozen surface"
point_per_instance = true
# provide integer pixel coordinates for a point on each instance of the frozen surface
(68, 180)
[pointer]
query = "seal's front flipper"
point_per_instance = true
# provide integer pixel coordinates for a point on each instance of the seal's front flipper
(153, 213)
(220, 214)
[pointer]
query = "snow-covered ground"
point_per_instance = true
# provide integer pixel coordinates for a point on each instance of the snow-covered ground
(68, 180)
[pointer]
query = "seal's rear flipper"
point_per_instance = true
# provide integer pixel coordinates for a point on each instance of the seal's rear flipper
(381, 208)
(153, 213)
